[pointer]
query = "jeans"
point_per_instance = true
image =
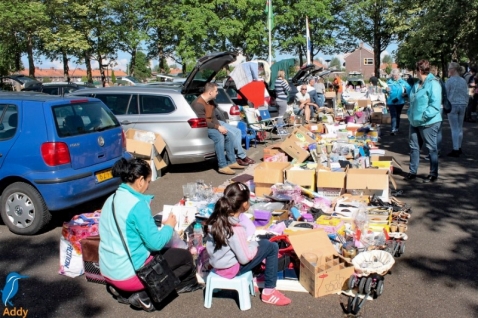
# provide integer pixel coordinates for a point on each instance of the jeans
(428, 135)
(237, 136)
(223, 143)
(440, 135)
(314, 98)
(269, 251)
(395, 112)
(282, 105)
(321, 99)
(455, 118)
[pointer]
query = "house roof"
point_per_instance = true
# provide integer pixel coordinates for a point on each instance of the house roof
(357, 49)
(77, 72)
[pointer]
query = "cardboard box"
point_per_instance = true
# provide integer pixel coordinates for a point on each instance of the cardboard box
(295, 145)
(262, 189)
(376, 118)
(142, 143)
(364, 102)
(331, 272)
(302, 177)
(330, 95)
(280, 215)
(270, 172)
(330, 179)
(386, 119)
(272, 150)
(370, 181)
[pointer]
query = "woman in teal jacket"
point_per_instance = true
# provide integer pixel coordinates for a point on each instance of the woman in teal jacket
(425, 118)
(397, 90)
(141, 236)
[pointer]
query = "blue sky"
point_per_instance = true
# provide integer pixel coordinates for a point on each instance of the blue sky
(123, 60)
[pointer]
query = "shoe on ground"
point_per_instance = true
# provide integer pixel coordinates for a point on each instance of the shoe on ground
(249, 160)
(410, 176)
(454, 153)
(394, 132)
(460, 151)
(235, 165)
(276, 299)
(226, 170)
(141, 300)
(242, 162)
(430, 178)
(190, 288)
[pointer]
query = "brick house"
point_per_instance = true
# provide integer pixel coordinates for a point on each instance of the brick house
(76, 74)
(360, 60)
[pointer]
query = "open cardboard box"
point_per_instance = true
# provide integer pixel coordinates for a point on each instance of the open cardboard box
(331, 272)
(296, 143)
(270, 172)
(370, 182)
(330, 184)
(272, 150)
(302, 177)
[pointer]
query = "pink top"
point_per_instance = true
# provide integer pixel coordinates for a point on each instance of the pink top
(230, 272)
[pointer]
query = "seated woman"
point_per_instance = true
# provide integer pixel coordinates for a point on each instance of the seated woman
(141, 235)
(231, 253)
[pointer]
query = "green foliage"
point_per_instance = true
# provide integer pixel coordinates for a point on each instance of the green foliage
(388, 69)
(387, 59)
(142, 70)
(46, 79)
(113, 76)
(335, 62)
(84, 79)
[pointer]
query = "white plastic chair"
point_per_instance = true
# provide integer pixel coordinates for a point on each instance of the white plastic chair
(242, 283)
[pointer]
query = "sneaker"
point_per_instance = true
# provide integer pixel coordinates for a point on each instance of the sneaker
(116, 295)
(226, 170)
(141, 300)
(276, 298)
(454, 153)
(460, 151)
(410, 176)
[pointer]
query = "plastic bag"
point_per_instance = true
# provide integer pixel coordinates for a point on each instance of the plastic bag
(176, 242)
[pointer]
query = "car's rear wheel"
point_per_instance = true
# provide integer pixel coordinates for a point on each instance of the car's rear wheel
(23, 209)
(166, 160)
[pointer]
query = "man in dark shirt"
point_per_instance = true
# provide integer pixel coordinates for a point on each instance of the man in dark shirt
(373, 80)
(204, 108)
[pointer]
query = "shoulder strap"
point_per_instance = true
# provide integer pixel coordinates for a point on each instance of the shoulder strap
(119, 231)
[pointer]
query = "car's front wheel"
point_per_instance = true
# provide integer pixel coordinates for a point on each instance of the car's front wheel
(23, 209)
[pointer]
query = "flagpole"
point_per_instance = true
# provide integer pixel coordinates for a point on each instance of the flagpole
(269, 26)
(307, 36)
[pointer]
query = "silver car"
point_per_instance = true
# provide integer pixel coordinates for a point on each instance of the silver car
(163, 111)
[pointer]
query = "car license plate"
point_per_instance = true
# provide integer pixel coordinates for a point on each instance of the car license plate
(104, 175)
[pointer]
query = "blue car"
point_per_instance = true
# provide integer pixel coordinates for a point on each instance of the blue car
(55, 153)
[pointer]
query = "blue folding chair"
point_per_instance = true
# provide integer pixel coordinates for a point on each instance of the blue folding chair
(247, 134)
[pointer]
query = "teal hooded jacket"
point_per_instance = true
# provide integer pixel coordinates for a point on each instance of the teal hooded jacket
(139, 231)
(425, 102)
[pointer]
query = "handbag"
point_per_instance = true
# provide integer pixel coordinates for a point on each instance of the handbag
(89, 253)
(446, 106)
(157, 276)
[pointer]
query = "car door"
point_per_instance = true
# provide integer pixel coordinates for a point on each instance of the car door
(123, 105)
(9, 127)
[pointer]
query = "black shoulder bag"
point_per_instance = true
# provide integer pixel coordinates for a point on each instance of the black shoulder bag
(156, 275)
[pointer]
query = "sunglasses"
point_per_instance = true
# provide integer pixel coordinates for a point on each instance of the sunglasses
(303, 89)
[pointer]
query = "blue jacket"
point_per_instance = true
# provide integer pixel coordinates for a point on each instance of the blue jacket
(397, 88)
(425, 102)
(140, 233)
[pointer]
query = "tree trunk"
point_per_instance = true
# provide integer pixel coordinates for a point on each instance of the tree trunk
(102, 70)
(184, 68)
(31, 64)
(161, 58)
(132, 64)
(66, 68)
(89, 74)
(301, 59)
(377, 50)
(18, 61)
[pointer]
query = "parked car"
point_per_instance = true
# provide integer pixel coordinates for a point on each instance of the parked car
(128, 80)
(304, 74)
(20, 83)
(355, 79)
(62, 88)
(55, 153)
(161, 110)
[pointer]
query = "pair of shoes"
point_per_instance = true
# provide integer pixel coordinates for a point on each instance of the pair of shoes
(235, 165)
(454, 153)
(276, 298)
(226, 170)
(190, 288)
(430, 178)
(410, 176)
(393, 133)
(242, 162)
(141, 300)
(249, 160)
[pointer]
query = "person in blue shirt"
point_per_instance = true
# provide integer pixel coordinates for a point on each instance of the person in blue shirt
(425, 119)
(141, 236)
(397, 90)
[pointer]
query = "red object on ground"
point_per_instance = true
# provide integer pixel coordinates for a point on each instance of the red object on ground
(254, 92)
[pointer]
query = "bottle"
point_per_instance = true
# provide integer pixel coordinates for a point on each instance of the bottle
(198, 234)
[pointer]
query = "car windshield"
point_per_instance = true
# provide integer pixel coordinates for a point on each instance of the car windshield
(83, 118)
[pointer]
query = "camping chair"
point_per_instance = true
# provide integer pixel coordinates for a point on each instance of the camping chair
(278, 123)
(248, 134)
(259, 126)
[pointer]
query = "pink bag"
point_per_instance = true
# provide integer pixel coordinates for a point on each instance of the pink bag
(81, 226)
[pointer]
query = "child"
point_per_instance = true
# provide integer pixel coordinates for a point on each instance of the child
(230, 253)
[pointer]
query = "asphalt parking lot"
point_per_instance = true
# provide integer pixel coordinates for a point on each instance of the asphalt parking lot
(436, 277)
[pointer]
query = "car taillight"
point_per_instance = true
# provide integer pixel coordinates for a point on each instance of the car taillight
(234, 110)
(55, 153)
(197, 122)
(123, 139)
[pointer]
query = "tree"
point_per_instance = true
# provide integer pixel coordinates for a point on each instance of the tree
(335, 62)
(388, 69)
(113, 77)
(387, 59)
(142, 66)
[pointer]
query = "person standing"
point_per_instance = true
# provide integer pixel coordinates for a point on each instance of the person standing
(338, 88)
(397, 89)
(373, 80)
(425, 118)
(282, 89)
(320, 89)
(203, 106)
(457, 93)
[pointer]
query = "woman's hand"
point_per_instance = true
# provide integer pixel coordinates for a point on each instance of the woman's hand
(171, 221)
